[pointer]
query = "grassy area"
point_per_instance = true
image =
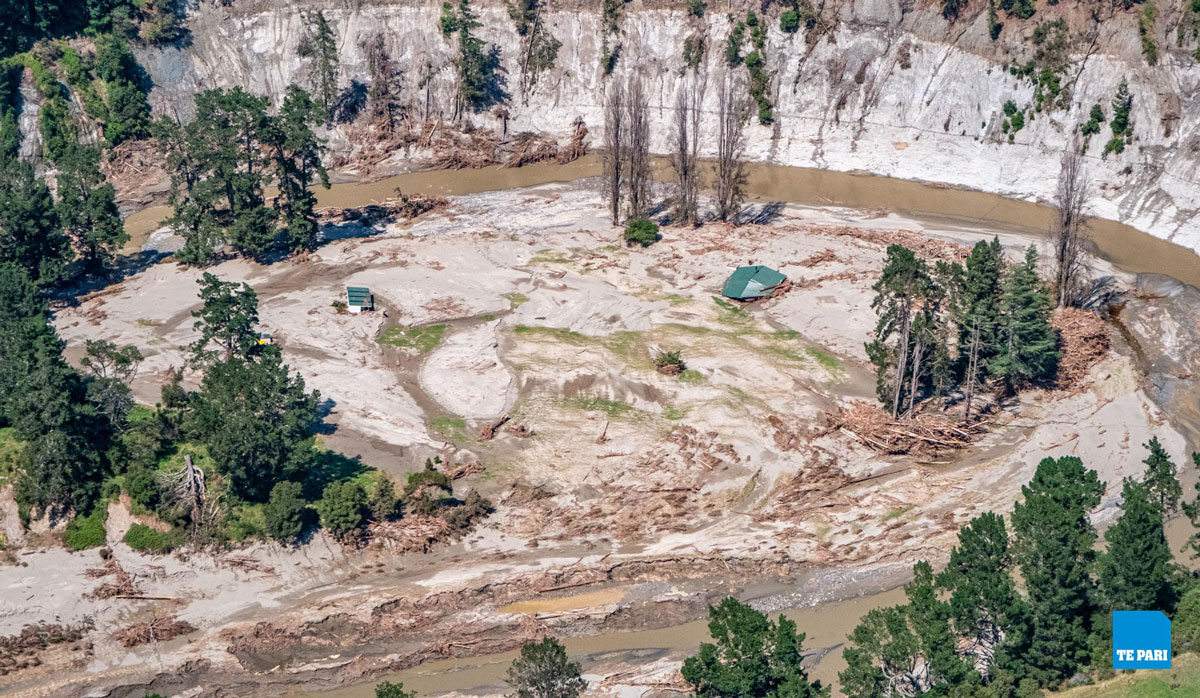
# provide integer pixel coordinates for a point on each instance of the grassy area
(549, 257)
(612, 408)
(516, 300)
(730, 314)
(691, 377)
(558, 334)
(896, 513)
(10, 451)
(419, 340)
(450, 428)
(1183, 681)
(674, 414)
(828, 361)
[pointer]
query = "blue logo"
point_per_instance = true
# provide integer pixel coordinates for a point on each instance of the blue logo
(1141, 640)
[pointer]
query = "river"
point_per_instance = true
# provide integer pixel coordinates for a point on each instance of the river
(1127, 248)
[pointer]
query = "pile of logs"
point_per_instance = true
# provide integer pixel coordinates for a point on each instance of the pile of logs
(919, 434)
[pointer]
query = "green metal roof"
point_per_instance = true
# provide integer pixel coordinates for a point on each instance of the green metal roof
(751, 282)
(359, 295)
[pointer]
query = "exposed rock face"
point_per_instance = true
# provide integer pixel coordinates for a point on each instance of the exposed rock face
(886, 87)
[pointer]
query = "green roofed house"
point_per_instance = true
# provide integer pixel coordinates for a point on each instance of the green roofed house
(748, 283)
(359, 298)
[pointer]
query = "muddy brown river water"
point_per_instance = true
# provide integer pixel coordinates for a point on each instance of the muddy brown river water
(827, 624)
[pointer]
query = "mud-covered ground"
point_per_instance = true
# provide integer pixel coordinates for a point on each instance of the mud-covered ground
(649, 494)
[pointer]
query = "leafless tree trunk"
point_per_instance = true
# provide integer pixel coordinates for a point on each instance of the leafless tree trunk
(685, 159)
(637, 148)
(730, 180)
(972, 377)
(1070, 235)
(386, 84)
(902, 357)
(614, 142)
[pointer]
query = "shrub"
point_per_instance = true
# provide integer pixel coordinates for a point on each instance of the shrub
(340, 307)
(285, 513)
(462, 518)
(789, 21)
(144, 539)
(382, 500)
(387, 689)
(1186, 631)
(696, 8)
(641, 231)
(669, 362)
(87, 531)
(343, 508)
(142, 486)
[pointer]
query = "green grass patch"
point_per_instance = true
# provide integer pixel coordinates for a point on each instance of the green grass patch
(87, 531)
(674, 414)
(558, 334)
(612, 408)
(146, 322)
(691, 377)
(246, 521)
(784, 352)
(677, 299)
(828, 361)
(10, 454)
(548, 257)
(450, 428)
(144, 539)
(896, 513)
(516, 300)
(1182, 680)
(419, 340)
(730, 314)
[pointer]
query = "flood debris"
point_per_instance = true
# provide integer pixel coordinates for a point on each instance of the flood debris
(921, 434)
(21, 651)
(1083, 342)
(158, 629)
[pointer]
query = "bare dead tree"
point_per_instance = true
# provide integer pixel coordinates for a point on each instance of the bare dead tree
(614, 142)
(730, 178)
(637, 148)
(685, 157)
(186, 489)
(1070, 234)
(971, 379)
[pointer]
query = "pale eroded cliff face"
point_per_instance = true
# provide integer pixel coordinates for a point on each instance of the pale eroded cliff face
(889, 89)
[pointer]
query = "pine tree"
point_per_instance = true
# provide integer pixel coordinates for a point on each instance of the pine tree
(478, 85)
(296, 154)
(930, 620)
(543, 671)
(902, 290)
(1053, 547)
(750, 656)
(227, 321)
(981, 292)
(1136, 571)
(321, 48)
(87, 208)
(984, 604)
(1027, 350)
(30, 232)
(1161, 477)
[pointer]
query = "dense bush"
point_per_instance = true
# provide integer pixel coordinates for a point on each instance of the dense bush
(144, 539)
(789, 22)
(286, 513)
(343, 508)
(87, 531)
(641, 231)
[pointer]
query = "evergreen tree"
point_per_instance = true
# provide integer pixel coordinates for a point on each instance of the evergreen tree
(929, 617)
(543, 671)
(1136, 571)
(902, 290)
(30, 232)
(343, 508)
(478, 84)
(285, 512)
(227, 321)
(257, 421)
(296, 153)
(750, 656)
(981, 297)
(128, 110)
(1122, 105)
(387, 689)
(87, 208)
(1161, 477)
(1054, 538)
(1027, 350)
(321, 49)
(383, 499)
(984, 604)
(883, 657)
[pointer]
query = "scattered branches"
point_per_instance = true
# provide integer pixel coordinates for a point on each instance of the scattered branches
(158, 629)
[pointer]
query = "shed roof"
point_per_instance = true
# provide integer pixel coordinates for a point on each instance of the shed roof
(751, 282)
(358, 295)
